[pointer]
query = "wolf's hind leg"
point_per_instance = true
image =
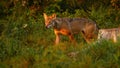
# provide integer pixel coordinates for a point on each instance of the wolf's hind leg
(87, 37)
(72, 39)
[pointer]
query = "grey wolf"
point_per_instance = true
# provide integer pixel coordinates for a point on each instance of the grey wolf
(71, 26)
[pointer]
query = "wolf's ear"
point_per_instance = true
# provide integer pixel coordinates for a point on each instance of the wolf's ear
(54, 15)
(45, 15)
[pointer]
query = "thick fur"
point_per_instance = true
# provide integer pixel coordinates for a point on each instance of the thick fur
(71, 26)
(109, 34)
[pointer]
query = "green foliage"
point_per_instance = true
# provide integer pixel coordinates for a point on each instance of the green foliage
(52, 8)
(106, 16)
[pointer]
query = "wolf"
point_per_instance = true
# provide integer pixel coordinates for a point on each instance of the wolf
(109, 34)
(70, 26)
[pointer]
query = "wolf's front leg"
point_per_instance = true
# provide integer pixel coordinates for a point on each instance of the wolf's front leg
(57, 39)
(57, 34)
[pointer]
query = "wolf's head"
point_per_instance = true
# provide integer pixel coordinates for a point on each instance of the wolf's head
(48, 19)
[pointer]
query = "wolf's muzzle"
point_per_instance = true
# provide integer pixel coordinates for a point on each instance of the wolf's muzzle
(48, 26)
(52, 24)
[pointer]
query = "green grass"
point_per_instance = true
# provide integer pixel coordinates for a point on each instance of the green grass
(105, 54)
(33, 46)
